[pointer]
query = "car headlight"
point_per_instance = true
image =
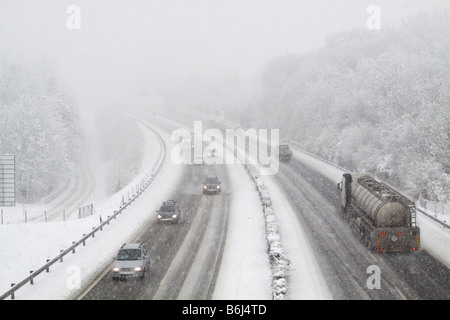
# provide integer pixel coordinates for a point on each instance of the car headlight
(159, 216)
(174, 216)
(204, 187)
(116, 269)
(218, 187)
(137, 269)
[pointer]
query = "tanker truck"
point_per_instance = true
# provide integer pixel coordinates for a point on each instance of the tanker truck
(384, 218)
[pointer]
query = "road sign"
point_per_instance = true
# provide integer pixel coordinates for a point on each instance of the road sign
(7, 181)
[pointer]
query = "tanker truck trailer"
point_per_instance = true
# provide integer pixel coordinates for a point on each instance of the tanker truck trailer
(384, 218)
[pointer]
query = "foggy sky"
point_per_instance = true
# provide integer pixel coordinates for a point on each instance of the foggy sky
(147, 43)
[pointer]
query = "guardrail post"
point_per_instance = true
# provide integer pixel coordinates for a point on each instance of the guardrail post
(93, 233)
(84, 241)
(12, 293)
(48, 268)
(73, 250)
(31, 280)
(61, 259)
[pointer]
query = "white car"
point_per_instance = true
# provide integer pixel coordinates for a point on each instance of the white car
(132, 261)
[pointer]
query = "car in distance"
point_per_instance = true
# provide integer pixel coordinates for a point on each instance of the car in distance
(132, 261)
(211, 185)
(169, 211)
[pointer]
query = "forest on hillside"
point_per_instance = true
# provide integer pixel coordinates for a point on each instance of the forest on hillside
(370, 101)
(39, 124)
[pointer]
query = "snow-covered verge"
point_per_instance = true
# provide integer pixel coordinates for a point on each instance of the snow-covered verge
(443, 219)
(244, 272)
(306, 281)
(278, 259)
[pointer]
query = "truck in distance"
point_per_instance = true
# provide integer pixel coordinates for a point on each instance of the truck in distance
(285, 152)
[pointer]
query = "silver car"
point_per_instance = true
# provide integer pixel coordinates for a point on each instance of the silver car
(132, 261)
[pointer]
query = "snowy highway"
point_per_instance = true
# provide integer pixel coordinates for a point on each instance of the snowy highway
(219, 250)
(327, 123)
(175, 249)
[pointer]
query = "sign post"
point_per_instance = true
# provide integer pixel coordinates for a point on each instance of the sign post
(7, 181)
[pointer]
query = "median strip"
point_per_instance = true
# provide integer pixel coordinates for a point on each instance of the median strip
(279, 263)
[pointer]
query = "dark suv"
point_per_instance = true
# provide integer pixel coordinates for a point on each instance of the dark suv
(169, 212)
(131, 261)
(211, 185)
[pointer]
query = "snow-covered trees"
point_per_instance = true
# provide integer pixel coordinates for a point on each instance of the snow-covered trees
(373, 101)
(39, 124)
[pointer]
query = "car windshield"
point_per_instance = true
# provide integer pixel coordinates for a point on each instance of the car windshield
(167, 208)
(129, 254)
(211, 180)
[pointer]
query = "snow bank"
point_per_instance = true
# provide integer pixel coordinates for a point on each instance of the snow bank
(278, 260)
(244, 272)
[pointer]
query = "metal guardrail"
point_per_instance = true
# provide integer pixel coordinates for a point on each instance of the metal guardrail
(445, 225)
(295, 145)
(46, 267)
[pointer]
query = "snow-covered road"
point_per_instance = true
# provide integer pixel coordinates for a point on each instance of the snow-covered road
(67, 279)
(244, 271)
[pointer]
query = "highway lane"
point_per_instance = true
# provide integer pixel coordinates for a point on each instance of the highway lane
(343, 258)
(175, 248)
